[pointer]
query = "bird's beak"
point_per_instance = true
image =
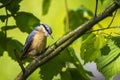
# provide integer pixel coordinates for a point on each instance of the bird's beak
(51, 36)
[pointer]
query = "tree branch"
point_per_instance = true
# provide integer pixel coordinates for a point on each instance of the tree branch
(65, 41)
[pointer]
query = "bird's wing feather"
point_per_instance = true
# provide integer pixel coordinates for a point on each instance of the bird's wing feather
(28, 42)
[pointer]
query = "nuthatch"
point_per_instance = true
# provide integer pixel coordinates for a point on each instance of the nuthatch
(36, 41)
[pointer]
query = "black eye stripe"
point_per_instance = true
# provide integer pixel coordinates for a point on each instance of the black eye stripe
(45, 28)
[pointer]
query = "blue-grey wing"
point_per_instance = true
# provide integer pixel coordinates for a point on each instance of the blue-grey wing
(28, 42)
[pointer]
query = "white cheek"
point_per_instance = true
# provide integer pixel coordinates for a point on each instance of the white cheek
(46, 34)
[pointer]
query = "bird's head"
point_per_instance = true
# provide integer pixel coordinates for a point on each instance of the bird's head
(46, 29)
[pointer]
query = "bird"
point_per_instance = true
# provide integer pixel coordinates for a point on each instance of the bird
(36, 41)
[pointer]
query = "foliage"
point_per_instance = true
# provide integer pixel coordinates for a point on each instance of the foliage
(91, 46)
(98, 47)
(45, 6)
(77, 17)
(62, 65)
(109, 64)
(24, 21)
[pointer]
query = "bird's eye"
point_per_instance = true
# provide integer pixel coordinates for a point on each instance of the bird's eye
(47, 28)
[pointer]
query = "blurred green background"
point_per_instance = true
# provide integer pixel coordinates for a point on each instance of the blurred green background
(9, 68)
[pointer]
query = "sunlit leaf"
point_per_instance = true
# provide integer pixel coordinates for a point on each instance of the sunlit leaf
(14, 44)
(88, 49)
(91, 46)
(26, 21)
(109, 64)
(100, 41)
(45, 6)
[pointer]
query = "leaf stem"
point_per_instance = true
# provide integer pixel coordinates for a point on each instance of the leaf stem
(113, 27)
(6, 22)
(96, 8)
(67, 16)
(112, 19)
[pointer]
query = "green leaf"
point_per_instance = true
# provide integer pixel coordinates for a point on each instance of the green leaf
(108, 65)
(7, 27)
(76, 75)
(55, 66)
(78, 65)
(100, 41)
(3, 17)
(72, 74)
(14, 6)
(86, 11)
(45, 6)
(3, 40)
(14, 44)
(1, 51)
(78, 17)
(102, 1)
(88, 49)
(116, 40)
(91, 46)
(26, 21)
(3, 43)
(106, 2)
(60, 62)
(65, 75)
(105, 50)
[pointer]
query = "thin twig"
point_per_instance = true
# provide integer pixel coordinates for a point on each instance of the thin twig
(112, 19)
(96, 8)
(19, 61)
(5, 4)
(113, 27)
(67, 16)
